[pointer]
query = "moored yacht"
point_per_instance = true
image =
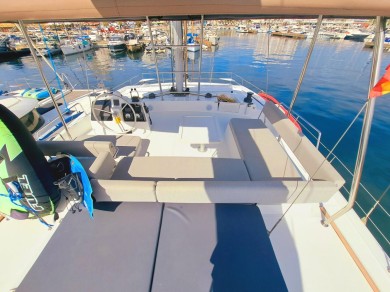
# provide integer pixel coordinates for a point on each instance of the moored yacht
(356, 35)
(76, 45)
(116, 44)
(197, 185)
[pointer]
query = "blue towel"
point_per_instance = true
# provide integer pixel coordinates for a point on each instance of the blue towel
(75, 166)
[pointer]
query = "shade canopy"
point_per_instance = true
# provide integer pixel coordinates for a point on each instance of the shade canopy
(49, 10)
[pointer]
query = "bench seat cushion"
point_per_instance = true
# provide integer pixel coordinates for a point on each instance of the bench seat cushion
(77, 148)
(113, 252)
(264, 157)
(215, 247)
(123, 190)
(126, 145)
(261, 192)
(159, 168)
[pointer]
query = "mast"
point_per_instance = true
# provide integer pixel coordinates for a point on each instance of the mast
(304, 68)
(177, 39)
(369, 113)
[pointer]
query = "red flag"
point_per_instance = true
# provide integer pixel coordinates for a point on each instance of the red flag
(383, 85)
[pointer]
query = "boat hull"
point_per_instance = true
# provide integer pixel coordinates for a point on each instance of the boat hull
(117, 48)
(75, 49)
(193, 48)
(356, 38)
(8, 55)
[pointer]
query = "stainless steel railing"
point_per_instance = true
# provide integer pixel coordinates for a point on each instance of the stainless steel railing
(370, 208)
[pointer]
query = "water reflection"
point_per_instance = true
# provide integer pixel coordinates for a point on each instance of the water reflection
(137, 56)
(16, 64)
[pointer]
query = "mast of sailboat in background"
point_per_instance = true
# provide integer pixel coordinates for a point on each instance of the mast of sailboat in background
(47, 85)
(304, 68)
(369, 113)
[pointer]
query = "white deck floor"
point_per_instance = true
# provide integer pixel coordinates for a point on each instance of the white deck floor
(311, 257)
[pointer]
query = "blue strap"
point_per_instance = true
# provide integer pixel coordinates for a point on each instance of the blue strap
(16, 197)
(75, 166)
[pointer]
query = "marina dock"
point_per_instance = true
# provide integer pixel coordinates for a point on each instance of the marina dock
(370, 45)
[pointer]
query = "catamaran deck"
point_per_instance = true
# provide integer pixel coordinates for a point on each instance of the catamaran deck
(175, 247)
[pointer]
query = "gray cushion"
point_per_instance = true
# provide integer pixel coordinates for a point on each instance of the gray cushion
(158, 168)
(113, 252)
(101, 167)
(126, 144)
(262, 192)
(123, 190)
(222, 247)
(77, 148)
(315, 163)
(264, 157)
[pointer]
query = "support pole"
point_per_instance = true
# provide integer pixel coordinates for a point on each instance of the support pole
(30, 45)
(369, 113)
(47, 62)
(177, 38)
(201, 50)
(304, 68)
(155, 57)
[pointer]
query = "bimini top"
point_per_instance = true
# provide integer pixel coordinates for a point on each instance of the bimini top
(48, 10)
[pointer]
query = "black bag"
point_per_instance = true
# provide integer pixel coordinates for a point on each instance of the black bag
(67, 182)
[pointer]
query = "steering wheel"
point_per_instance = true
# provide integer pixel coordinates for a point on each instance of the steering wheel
(116, 113)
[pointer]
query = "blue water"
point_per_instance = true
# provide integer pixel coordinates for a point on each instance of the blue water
(334, 89)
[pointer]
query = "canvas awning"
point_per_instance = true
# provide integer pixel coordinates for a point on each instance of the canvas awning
(47, 10)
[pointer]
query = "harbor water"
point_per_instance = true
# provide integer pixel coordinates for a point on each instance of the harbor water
(333, 91)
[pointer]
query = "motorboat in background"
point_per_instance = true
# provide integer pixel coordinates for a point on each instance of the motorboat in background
(242, 29)
(8, 51)
(76, 45)
(132, 42)
(116, 44)
(355, 35)
(192, 42)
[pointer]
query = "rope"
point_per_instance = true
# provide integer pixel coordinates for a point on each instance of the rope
(17, 197)
(319, 167)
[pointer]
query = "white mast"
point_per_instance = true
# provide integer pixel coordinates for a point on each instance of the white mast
(177, 40)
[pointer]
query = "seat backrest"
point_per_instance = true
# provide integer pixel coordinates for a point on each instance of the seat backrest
(285, 128)
(316, 164)
(272, 112)
(77, 148)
